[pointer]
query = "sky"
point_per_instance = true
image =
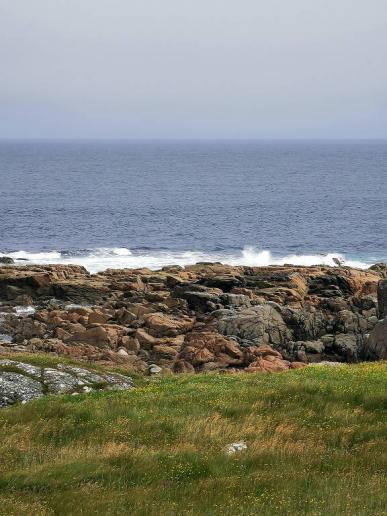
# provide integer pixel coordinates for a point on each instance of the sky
(193, 69)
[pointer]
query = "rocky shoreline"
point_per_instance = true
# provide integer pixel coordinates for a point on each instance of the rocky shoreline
(204, 317)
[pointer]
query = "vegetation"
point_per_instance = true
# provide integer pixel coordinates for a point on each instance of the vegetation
(316, 444)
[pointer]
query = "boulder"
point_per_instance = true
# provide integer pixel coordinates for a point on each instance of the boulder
(6, 260)
(269, 364)
(382, 299)
(348, 346)
(375, 347)
(161, 325)
(97, 316)
(313, 346)
(380, 268)
(235, 300)
(60, 381)
(262, 324)
(203, 347)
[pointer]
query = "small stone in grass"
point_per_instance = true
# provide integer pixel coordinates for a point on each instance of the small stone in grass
(236, 447)
(154, 369)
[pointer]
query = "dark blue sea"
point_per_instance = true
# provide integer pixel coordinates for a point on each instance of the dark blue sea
(131, 203)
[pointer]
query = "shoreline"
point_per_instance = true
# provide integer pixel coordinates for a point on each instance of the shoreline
(100, 259)
(203, 317)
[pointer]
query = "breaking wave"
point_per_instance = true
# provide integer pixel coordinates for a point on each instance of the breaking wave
(97, 260)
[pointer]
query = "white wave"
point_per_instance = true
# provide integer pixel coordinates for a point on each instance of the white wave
(110, 251)
(24, 255)
(100, 259)
(255, 258)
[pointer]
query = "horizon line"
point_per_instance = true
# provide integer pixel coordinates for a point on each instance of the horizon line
(191, 139)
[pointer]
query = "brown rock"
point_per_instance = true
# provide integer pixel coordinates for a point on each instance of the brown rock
(130, 343)
(99, 317)
(167, 352)
(145, 340)
(124, 316)
(161, 325)
(182, 366)
(297, 365)
(269, 364)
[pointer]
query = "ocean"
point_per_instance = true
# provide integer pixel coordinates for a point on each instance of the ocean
(113, 204)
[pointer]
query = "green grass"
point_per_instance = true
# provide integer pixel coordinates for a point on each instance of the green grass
(316, 442)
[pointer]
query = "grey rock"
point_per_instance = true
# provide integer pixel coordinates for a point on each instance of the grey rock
(261, 324)
(6, 260)
(327, 340)
(380, 268)
(86, 376)
(235, 300)
(118, 382)
(122, 352)
(349, 346)
(6, 339)
(60, 382)
(382, 299)
(154, 369)
(347, 322)
(17, 387)
(314, 346)
(201, 301)
(305, 324)
(375, 347)
(22, 367)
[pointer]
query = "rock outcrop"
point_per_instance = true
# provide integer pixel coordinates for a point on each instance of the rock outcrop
(21, 382)
(376, 346)
(198, 318)
(6, 260)
(382, 298)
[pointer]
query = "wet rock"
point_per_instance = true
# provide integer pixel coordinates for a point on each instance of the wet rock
(6, 260)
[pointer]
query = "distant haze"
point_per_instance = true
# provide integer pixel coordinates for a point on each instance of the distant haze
(193, 69)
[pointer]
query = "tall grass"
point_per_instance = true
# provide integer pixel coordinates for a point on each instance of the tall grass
(316, 444)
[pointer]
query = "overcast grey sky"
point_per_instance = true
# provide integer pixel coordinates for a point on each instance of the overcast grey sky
(193, 68)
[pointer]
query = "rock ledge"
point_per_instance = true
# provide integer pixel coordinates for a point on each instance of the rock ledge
(22, 382)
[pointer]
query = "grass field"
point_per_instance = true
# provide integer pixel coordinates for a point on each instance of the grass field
(316, 444)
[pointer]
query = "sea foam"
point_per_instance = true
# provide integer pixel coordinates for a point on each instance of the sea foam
(100, 259)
